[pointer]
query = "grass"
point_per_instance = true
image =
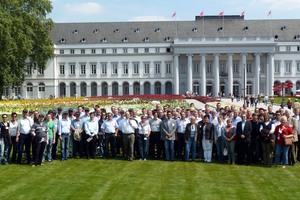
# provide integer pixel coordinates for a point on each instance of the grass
(119, 179)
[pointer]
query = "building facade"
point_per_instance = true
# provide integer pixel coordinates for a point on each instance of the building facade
(209, 56)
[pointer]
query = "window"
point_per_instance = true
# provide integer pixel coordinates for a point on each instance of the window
(72, 69)
(249, 68)
(298, 67)
(157, 50)
(103, 68)
(61, 51)
(93, 51)
(115, 51)
(103, 50)
(41, 87)
(298, 48)
(288, 66)
(249, 88)
(222, 68)
(61, 69)
(17, 90)
(41, 71)
(168, 68)
(157, 68)
(82, 69)
(146, 68)
(125, 68)
(146, 50)
(29, 87)
(288, 48)
(114, 68)
(209, 68)
(29, 70)
(72, 51)
(93, 69)
(277, 67)
(125, 50)
(277, 49)
(136, 68)
(6, 92)
(235, 68)
(136, 50)
(82, 51)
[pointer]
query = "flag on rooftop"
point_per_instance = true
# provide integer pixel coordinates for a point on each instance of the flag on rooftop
(221, 14)
(174, 14)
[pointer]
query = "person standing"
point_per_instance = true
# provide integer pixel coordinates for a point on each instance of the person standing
(4, 139)
(91, 128)
(51, 127)
(110, 130)
(181, 124)
(207, 133)
(128, 126)
(192, 132)
(229, 136)
(40, 139)
(13, 125)
(168, 130)
(143, 138)
(243, 135)
(64, 128)
(292, 122)
(76, 129)
(23, 136)
(218, 139)
(155, 137)
(281, 132)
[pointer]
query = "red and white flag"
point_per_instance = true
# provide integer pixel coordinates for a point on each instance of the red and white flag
(202, 14)
(269, 13)
(243, 14)
(221, 14)
(174, 14)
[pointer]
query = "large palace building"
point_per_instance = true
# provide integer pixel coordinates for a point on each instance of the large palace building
(211, 55)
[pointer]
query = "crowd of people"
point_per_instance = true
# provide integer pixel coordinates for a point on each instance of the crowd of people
(220, 134)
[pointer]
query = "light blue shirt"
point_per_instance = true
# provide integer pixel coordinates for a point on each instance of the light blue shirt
(91, 127)
(110, 126)
(64, 126)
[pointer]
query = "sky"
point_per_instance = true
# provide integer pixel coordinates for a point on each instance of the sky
(162, 10)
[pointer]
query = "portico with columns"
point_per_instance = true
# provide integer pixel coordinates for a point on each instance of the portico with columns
(231, 64)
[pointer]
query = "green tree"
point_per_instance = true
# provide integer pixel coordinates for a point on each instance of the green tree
(24, 38)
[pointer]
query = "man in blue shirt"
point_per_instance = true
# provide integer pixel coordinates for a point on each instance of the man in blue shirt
(64, 132)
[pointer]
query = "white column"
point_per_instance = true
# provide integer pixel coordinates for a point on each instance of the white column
(270, 74)
(257, 74)
(230, 74)
(203, 75)
(244, 68)
(99, 90)
(88, 90)
(141, 88)
(216, 69)
(176, 73)
(190, 72)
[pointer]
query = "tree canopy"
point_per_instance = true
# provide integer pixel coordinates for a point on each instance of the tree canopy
(24, 38)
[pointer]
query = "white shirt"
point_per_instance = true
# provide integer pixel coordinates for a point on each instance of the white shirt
(24, 125)
(128, 125)
(110, 126)
(13, 128)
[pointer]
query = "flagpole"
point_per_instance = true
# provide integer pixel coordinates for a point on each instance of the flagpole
(203, 26)
(223, 25)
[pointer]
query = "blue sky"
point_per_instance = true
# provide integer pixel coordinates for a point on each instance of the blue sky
(148, 10)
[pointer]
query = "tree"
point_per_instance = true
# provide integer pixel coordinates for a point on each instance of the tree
(24, 38)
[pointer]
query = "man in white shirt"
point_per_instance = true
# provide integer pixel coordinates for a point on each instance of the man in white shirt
(110, 130)
(91, 130)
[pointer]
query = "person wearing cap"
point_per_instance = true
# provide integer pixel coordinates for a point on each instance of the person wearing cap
(64, 132)
(23, 136)
(40, 139)
(50, 137)
(91, 128)
(76, 126)
(110, 130)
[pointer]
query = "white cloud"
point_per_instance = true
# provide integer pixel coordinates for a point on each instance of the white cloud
(279, 4)
(149, 18)
(88, 8)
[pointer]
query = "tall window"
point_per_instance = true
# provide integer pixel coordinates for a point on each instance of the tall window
(222, 68)
(61, 69)
(157, 68)
(235, 68)
(298, 67)
(103, 68)
(288, 48)
(115, 50)
(72, 69)
(168, 68)
(114, 68)
(93, 51)
(249, 68)
(196, 68)
(288, 67)
(41, 87)
(277, 67)
(41, 71)
(82, 69)
(125, 68)
(125, 50)
(136, 68)
(146, 68)
(103, 51)
(249, 88)
(209, 68)
(157, 50)
(146, 50)
(94, 69)
(29, 87)
(72, 51)
(29, 69)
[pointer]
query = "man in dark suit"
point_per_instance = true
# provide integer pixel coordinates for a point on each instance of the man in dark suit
(243, 134)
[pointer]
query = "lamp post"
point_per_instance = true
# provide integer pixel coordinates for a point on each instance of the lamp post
(245, 84)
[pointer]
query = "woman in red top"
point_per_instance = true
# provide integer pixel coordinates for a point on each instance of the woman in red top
(282, 131)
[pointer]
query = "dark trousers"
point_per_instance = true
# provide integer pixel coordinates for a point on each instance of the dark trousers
(77, 148)
(119, 143)
(255, 151)
(242, 151)
(55, 147)
(110, 141)
(24, 140)
(101, 144)
(155, 145)
(298, 143)
(39, 151)
(181, 145)
(90, 147)
(14, 147)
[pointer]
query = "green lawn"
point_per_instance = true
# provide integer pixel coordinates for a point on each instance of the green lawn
(119, 179)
